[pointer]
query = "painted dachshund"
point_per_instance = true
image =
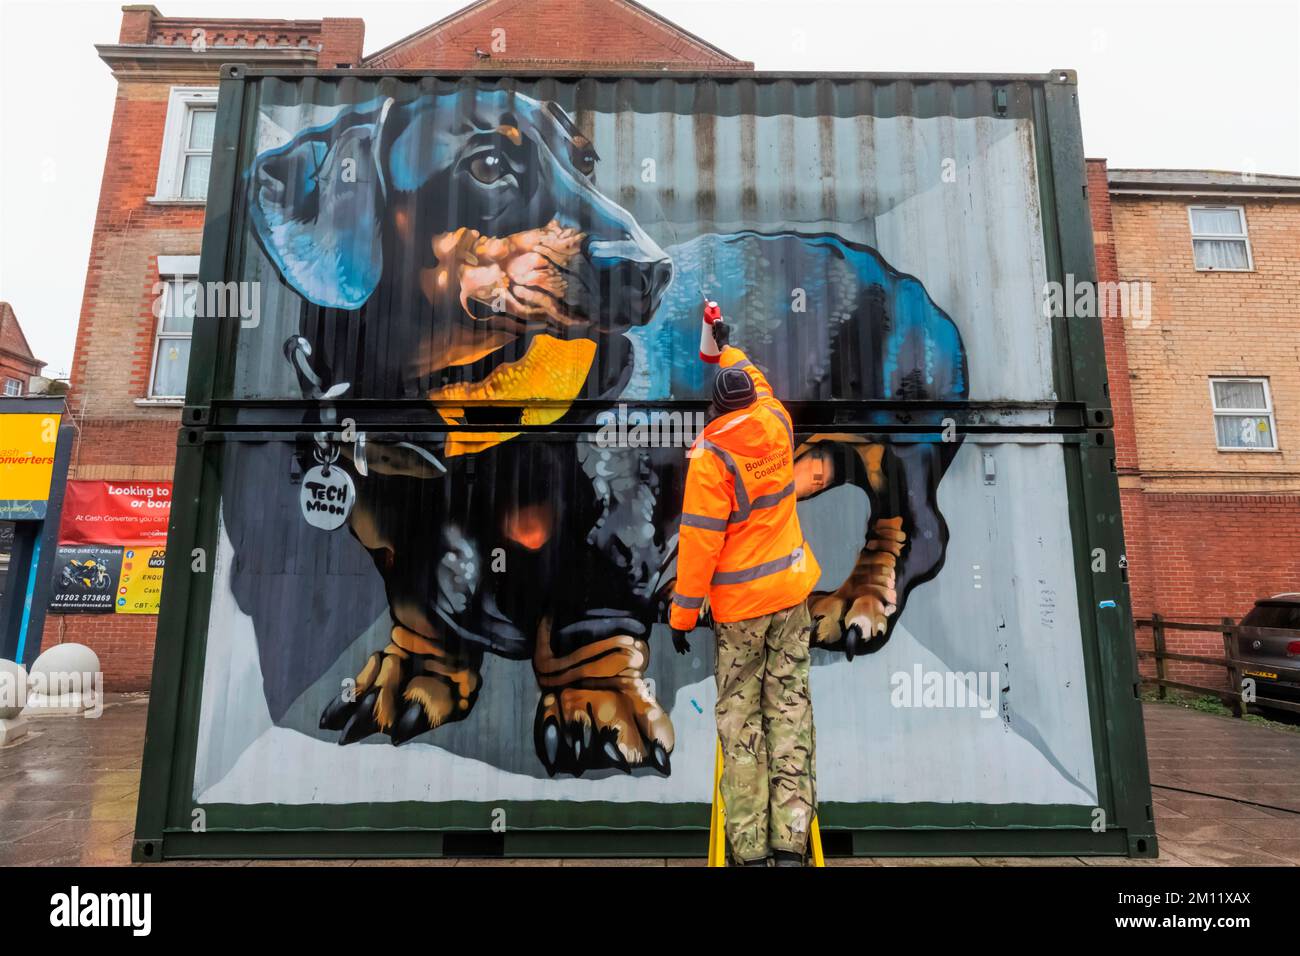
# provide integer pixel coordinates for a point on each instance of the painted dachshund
(454, 248)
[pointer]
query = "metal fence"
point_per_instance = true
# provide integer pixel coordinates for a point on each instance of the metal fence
(1233, 696)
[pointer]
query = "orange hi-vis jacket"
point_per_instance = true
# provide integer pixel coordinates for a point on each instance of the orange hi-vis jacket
(740, 542)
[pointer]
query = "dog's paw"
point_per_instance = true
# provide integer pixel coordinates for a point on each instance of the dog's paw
(864, 606)
(620, 726)
(597, 711)
(404, 693)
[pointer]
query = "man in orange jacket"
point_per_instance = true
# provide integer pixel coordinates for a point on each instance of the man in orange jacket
(740, 547)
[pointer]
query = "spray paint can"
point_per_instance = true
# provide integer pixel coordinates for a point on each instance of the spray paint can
(709, 351)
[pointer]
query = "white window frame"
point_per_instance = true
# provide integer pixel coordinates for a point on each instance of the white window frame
(1265, 412)
(170, 268)
(171, 163)
(12, 381)
(1243, 236)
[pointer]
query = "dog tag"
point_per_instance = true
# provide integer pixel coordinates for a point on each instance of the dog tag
(326, 497)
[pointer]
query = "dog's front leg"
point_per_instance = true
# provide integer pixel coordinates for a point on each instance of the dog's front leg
(905, 540)
(413, 685)
(596, 709)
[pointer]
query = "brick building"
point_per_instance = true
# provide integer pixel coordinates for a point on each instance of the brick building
(17, 363)
(17, 368)
(132, 348)
(1206, 390)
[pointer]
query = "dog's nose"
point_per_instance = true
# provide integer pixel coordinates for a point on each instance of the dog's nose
(661, 275)
(631, 276)
(642, 282)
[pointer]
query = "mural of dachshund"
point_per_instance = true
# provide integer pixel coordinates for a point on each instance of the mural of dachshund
(456, 249)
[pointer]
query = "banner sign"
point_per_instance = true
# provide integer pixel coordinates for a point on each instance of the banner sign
(26, 465)
(112, 546)
(116, 512)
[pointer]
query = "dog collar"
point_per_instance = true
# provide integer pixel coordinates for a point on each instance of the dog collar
(545, 380)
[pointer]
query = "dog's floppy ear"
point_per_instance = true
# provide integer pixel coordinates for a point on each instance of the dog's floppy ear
(316, 205)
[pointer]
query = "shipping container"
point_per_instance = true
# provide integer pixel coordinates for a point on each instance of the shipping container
(445, 374)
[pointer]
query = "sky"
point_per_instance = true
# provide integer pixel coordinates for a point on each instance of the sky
(1162, 83)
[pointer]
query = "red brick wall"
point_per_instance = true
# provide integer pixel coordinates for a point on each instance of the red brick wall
(16, 359)
(341, 42)
(129, 234)
(1218, 553)
(571, 33)
(123, 642)
(137, 18)
(13, 368)
(127, 449)
(1213, 555)
(1207, 324)
(336, 40)
(114, 348)
(1195, 555)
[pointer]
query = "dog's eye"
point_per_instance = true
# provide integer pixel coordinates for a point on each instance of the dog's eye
(585, 162)
(487, 168)
(583, 155)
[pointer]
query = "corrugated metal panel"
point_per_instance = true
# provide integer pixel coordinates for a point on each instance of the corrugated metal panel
(295, 614)
(722, 183)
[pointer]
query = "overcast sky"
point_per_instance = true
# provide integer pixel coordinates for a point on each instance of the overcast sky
(1167, 83)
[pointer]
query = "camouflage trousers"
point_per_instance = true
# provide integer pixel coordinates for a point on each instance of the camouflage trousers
(765, 723)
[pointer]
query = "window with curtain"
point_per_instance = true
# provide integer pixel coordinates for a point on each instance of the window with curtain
(1219, 241)
(196, 152)
(171, 353)
(186, 159)
(1243, 414)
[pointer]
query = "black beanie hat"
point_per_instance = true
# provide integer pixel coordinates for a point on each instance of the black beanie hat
(732, 389)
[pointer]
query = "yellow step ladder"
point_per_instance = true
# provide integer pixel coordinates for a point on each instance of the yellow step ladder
(718, 835)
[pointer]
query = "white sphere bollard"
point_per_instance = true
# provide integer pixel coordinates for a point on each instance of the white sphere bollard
(13, 689)
(13, 698)
(64, 680)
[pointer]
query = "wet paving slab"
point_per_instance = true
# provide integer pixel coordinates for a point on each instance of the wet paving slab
(1225, 792)
(68, 788)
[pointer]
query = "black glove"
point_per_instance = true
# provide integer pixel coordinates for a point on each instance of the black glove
(721, 334)
(679, 642)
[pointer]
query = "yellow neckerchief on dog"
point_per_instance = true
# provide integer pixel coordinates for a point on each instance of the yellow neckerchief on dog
(552, 370)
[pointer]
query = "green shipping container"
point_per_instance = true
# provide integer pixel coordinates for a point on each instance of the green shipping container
(430, 472)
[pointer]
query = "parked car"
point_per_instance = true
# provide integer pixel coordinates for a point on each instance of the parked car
(1268, 643)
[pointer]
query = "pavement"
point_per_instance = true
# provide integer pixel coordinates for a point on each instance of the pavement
(1225, 791)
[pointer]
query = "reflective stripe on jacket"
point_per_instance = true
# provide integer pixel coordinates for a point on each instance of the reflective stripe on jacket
(739, 541)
